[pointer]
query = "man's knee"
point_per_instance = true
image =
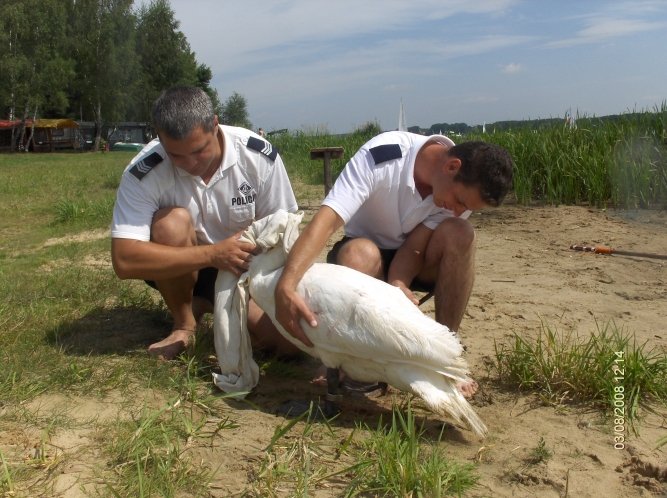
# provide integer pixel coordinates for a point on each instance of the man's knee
(454, 235)
(173, 226)
(362, 255)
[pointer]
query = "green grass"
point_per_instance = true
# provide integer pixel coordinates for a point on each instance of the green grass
(302, 456)
(295, 150)
(397, 460)
(148, 453)
(601, 369)
(620, 163)
(6, 479)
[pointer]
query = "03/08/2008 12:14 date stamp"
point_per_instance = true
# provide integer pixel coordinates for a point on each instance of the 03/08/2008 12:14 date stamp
(618, 370)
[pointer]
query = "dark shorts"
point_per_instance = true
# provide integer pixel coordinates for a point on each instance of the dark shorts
(205, 285)
(387, 256)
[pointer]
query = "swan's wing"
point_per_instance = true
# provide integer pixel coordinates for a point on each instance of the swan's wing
(363, 316)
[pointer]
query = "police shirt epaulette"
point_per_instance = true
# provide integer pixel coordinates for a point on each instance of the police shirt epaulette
(264, 147)
(141, 168)
(386, 152)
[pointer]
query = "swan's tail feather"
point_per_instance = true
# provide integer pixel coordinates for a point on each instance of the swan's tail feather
(456, 373)
(446, 399)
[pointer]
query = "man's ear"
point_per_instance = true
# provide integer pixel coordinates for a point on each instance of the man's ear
(452, 165)
(215, 120)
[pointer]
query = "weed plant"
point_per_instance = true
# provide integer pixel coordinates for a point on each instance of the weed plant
(391, 460)
(148, 454)
(566, 367)
(540, 453)
(397, 460)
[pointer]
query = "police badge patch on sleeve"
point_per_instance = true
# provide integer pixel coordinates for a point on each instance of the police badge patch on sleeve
(141, 168)
(264, 147)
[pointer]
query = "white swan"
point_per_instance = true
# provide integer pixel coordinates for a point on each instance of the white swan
(371, 331)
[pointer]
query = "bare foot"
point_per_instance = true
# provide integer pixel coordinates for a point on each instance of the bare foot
(468, 389)
(172, 345)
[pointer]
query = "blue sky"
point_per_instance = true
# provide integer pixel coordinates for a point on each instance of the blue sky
(335, 65)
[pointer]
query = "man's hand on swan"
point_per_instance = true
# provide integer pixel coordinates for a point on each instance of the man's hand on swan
(290, 309)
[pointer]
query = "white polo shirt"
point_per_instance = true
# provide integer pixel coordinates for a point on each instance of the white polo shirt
(250, 183)
(376, 196)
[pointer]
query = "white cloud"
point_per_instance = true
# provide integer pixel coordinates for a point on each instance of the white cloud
(604, 28)
(512, 68)
(231, 33)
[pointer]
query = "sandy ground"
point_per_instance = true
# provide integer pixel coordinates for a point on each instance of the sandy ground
(526, 276)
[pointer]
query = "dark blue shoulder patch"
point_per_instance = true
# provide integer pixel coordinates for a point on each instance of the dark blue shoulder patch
(141, 168)
(264, 147)
(386, 152)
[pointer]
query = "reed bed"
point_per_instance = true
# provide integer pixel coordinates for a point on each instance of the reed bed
(618, 161)
(295, 149)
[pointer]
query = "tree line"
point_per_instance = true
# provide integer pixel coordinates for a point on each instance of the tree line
(97, 60)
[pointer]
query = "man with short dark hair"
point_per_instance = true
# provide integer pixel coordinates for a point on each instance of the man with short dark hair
(404, 200)
(182, 204)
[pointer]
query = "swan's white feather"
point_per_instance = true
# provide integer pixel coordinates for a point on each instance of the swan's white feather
(371, 331)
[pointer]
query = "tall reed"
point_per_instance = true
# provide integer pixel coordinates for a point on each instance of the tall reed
(618, 161)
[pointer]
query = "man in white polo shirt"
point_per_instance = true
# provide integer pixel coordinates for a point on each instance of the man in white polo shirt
(181, 205)
(404, 200)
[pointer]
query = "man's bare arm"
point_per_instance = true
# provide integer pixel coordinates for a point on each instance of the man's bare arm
(290, 307)
(409, 260)
(152, 261)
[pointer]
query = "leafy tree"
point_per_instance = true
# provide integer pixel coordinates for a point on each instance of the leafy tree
(164, 53)
(204, 76)
(235, 112)
(449, 127)
(98, 60)
(103, 37)
(34, 63)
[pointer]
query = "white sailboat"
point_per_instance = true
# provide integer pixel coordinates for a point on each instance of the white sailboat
(402, 125)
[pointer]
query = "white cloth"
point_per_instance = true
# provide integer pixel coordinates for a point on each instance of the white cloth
(380, 201)
(239, 371)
